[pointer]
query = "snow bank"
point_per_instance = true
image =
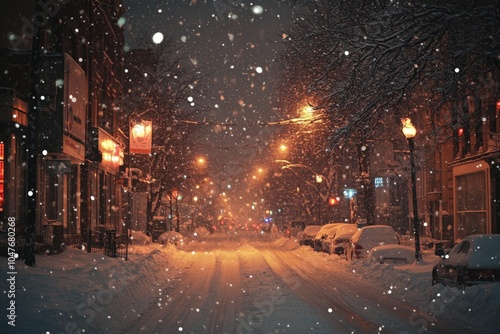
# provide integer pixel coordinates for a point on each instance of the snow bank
(413, 282)
(140, 238)
(201, 232)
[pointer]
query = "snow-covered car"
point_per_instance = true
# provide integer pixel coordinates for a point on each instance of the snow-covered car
(329, 235)
(392, 254)
(338, 242)
(474, 260)
(307, 236)
(170, 237)
(368, 237)
(322, 235)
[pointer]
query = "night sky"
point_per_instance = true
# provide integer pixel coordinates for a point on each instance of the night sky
(238, 42)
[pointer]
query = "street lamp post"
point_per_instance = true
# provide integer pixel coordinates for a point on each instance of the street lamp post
(128, 222)
(139, 136)
(319, 179)
(410, 132)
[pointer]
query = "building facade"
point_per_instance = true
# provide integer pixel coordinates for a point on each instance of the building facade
(460, 168)
(475, 167)
(75, 65)
(87, 200)
(13, 156)
(457, 172)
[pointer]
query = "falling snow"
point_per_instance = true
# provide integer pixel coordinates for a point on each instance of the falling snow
(234, 282)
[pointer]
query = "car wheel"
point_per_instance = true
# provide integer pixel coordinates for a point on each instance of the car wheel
(435, 279)
(460, 282)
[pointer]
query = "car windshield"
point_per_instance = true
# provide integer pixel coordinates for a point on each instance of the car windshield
(312, 229)
(484, 251)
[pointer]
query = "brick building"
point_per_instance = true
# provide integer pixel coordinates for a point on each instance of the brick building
(76, 66)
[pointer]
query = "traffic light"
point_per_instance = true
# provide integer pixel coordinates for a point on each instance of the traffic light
(332, 201)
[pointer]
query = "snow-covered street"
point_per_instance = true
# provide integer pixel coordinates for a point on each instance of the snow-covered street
(166, 166)
(240, 283)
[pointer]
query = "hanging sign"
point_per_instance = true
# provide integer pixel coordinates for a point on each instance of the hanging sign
(141, 135)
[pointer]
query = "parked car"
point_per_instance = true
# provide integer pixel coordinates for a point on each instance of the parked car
(368, 237)
(307, 236)
(171, 237)
(324, 242)
(474, 260)
(338, 242)
(392, 254)
(322, 235)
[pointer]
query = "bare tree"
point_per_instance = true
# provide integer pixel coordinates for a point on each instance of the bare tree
(375, 58)
(370, 63)
(165, 87)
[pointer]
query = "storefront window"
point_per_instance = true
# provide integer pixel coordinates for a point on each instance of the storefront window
(471, 194)
(12, 178)
(471, 204)
(471, 223)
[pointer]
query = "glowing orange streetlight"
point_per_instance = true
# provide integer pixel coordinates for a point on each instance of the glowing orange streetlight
(409, 129)
(201, 161)
(307, 112)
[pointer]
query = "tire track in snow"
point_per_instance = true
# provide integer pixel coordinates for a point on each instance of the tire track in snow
(306, 285)
(355, 304)
(270, 306)
(228, 295)
(182, 302)
(208, 300)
